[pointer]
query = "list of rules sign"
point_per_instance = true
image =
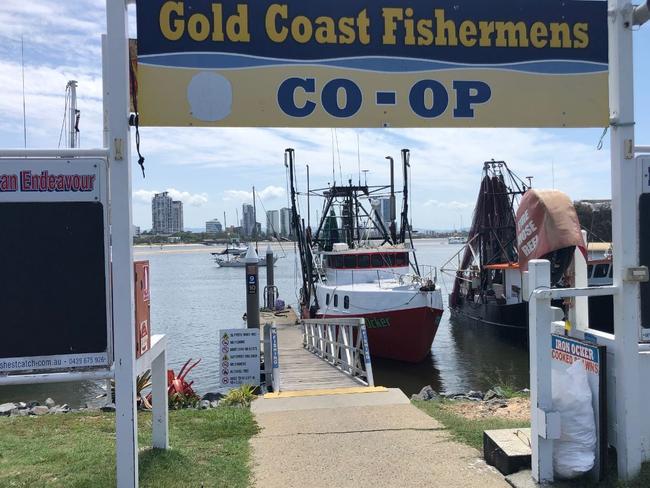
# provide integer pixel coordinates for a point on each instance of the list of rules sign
(240, 357)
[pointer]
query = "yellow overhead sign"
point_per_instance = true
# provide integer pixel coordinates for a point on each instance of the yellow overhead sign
(353, 63)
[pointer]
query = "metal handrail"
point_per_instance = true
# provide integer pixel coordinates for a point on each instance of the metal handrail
(343, 343)
(592, 291)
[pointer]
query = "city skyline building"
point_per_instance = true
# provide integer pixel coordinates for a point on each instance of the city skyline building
(213, 227)
(248, 220)
(285, 222)
(161, 211)
(272, 222)
(166, 214)
(177, 216)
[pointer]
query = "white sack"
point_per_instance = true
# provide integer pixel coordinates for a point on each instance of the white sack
(574, 453)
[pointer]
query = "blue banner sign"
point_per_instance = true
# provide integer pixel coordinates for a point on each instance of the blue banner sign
(359, 63)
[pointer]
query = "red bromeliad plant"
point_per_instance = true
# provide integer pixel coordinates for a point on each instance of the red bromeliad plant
(180, 393)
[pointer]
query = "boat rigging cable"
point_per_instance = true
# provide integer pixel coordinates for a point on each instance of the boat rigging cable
(134, 119)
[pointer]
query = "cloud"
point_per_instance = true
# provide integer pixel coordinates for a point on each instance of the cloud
(453, 205)
(193, 199)
(268, 193)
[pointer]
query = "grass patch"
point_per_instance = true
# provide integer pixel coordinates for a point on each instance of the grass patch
(469, 431)
(209, 448)
(463, 429)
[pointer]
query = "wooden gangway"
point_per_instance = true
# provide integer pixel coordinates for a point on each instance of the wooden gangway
(321, 355)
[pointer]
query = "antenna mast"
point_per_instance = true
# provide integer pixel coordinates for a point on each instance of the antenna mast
(73, 114)
(22, 62)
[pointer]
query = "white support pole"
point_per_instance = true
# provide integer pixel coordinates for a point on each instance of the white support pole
(579, 314)
(117, 89)
(624, 238)
(160, 434)
(539, 331)
(106, 130)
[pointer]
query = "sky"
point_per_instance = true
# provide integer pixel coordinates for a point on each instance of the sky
(212, 170)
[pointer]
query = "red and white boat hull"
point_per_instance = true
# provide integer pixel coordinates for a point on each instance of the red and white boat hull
(404, 335)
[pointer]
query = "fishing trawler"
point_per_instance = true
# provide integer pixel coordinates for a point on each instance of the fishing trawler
(488, 279)
(455, 239)
(238, 261)
(354, 265)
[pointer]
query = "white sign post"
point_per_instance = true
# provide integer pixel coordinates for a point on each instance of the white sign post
(240, 357)
(624, 238)
(116, 92)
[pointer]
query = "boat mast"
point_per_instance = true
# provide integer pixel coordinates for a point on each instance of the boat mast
(392, 210)
(406, 226)
(73, 114)
(308, 207)
(303, 245)
(254, 220)
(405, 206)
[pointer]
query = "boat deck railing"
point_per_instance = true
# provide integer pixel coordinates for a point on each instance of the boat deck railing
(343, 343)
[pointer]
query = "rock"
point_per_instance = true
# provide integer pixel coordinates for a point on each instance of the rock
(214, 403)
(427, 393)
(499, 391)
(6, 408)
(475, 395)
(497, 402)
(491, 394)
(454, 396)
(19, 412)
(109, 407)
(204, 405)
(212, 397)
(49, 403)
(32, 404)
(39, 410)
(61, 409)
(21, 405)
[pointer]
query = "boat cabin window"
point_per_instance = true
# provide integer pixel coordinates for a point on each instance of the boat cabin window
(371, 260)
(327, 299)
(346, 301)
(590, 270)
(611, 271)
(349, 261)
(336, 300)
(363, 261)
(601, 271)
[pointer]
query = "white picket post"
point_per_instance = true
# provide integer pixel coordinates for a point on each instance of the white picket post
(160, 414)
(539, 332)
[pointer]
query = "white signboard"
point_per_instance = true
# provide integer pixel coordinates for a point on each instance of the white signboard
(55, 305)
(240, 357)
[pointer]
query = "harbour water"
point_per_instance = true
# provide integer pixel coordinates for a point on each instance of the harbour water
(192, 298)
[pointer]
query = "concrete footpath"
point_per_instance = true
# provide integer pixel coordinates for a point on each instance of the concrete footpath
(375, 439)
